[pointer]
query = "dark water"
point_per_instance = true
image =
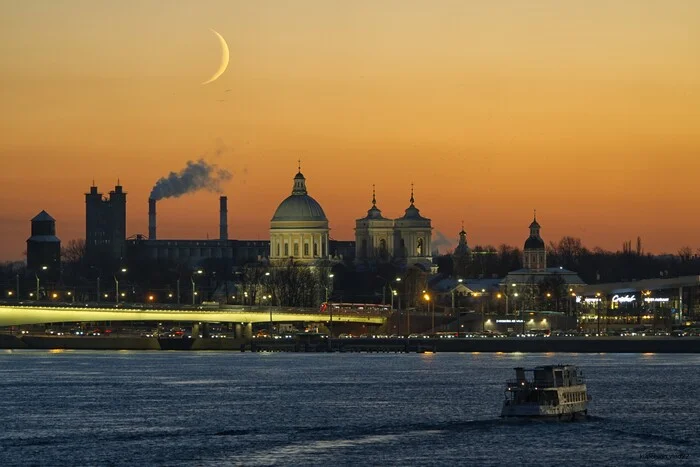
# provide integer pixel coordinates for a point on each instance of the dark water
(209, 408)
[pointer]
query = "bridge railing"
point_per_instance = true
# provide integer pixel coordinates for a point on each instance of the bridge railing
(191, 308)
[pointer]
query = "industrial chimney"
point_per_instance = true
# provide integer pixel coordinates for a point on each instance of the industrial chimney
(151, 219)
(223, 218)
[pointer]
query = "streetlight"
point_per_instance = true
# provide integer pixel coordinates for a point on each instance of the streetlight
(597, 294)
(515, 304)
(426, 297)
(453, 292)
(116, 285)
(330, 314)
(453, 306)
(408, 313)
(194, 290)
(501, 295)
(43, 268)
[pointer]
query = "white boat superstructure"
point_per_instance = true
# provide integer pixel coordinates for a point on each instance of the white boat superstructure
(553, 391)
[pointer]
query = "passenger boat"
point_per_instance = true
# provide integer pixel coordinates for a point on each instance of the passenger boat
(553, 391)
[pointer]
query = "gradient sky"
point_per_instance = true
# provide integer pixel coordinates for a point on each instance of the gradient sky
(587, 111)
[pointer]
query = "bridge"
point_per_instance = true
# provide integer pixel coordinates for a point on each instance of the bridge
(39, 313)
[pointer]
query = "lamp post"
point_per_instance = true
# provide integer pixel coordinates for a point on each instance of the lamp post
(408, 313)
(17, 287)
(36, 275)
(459, 281)
(599, 301)
(116, 285)
(194, 290)
(501, 295)
(330, 314)
(426, 297)
(522, 314)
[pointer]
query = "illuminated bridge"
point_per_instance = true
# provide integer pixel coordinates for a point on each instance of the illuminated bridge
(38, 313)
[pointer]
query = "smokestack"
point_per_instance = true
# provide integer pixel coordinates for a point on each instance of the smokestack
(223, 218)
(151, 219)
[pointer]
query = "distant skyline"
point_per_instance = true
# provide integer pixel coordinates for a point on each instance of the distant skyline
(588, 112)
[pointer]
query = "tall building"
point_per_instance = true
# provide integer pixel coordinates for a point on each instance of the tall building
(374, 234)
(534, 253)
(535, 271)
(299, 227)
(105, 225)
(43, 247)
(413, 236)
(462, 248)
(406, 239)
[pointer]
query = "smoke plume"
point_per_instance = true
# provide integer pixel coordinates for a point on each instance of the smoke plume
(196, 176)
(441, 242)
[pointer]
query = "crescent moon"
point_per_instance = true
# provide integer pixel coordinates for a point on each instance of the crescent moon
(224, 59)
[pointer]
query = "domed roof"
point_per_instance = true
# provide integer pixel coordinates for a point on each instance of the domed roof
(412, 212)
(373, 213)
(299, 206)
(534, 224)
(533, 243)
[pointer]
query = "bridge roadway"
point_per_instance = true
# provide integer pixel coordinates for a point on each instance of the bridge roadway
(39, 313)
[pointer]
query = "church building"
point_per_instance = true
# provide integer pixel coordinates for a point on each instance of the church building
(407, 238)
(299, 227)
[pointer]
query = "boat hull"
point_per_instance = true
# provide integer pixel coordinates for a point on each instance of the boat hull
(561, 412)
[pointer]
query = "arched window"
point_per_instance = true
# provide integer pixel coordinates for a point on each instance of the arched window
(315, 249)
(296, 249)
(278, 248)
(419, 247)
(382, 245)
(306, 249)
(286, 249)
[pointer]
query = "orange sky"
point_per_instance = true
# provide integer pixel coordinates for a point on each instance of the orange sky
(587, 111)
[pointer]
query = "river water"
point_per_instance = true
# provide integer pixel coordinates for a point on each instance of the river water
(227, 408)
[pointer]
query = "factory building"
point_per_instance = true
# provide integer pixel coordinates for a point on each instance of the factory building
(44, 247)
(105, 225)
(299, 230)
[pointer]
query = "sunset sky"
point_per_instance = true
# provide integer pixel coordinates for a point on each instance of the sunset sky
(587, 111)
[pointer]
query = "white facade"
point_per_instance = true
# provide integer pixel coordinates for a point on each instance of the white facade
(407, 238)
(299, 227)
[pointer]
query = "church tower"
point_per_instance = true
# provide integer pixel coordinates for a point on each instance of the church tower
(462, 248)
(412, 236)
(374, 234)
(534, 253)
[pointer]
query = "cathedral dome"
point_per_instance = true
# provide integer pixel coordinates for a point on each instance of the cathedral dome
(533, 243)
(299, 206)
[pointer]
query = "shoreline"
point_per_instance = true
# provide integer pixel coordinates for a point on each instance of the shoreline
(386, 345)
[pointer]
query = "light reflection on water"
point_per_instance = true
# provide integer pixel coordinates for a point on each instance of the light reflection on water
(225, 408)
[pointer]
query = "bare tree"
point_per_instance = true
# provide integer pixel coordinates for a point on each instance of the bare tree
(685, 254)
(74, 251)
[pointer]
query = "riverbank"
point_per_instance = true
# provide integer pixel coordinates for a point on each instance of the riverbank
(529, 345)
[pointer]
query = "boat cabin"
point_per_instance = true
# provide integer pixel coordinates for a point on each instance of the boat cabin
(550, 376)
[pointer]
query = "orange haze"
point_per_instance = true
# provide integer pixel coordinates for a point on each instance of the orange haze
(587, 111)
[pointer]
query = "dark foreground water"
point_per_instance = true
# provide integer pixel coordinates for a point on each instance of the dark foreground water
(209, 408)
